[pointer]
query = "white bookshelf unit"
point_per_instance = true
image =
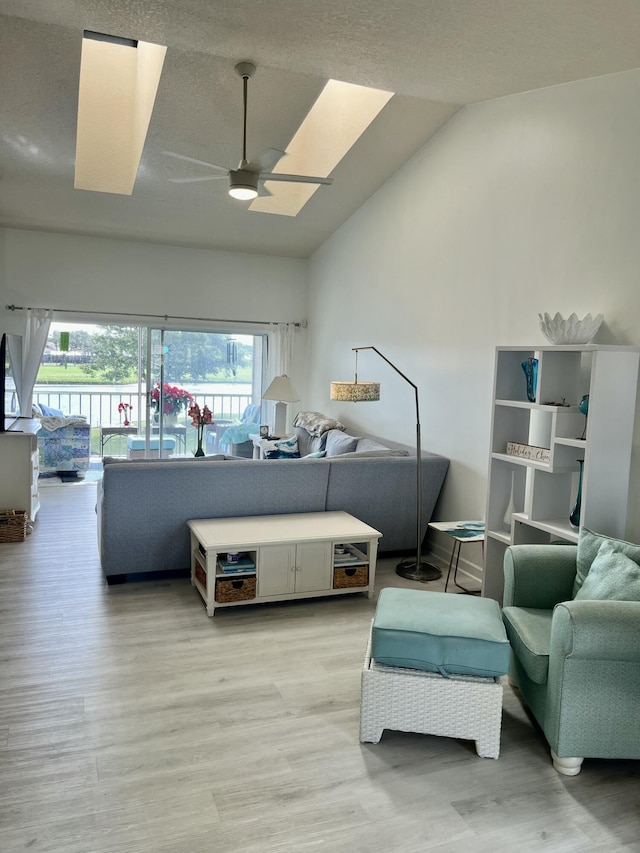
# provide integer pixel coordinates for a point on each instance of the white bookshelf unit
(544, 492)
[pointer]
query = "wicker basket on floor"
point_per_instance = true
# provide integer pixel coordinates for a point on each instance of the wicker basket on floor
(13, 525)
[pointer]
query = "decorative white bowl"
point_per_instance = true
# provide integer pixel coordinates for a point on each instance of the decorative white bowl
(569, 331)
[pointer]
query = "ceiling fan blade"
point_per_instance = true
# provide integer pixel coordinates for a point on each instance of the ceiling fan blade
(267, 160)
(294, 179)
(197, 162)
(197, 180)
(263, 192)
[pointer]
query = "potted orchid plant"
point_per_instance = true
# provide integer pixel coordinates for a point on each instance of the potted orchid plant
(199, 419)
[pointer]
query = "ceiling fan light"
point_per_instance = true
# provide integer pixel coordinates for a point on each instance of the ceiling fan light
(243, 185)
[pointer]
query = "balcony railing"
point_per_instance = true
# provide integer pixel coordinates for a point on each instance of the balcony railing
(100, 408)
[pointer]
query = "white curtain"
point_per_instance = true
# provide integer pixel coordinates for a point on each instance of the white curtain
(280, 348)
(281, 339)
(25, 366)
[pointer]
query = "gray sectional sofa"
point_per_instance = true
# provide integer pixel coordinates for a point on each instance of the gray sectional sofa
(143, 505)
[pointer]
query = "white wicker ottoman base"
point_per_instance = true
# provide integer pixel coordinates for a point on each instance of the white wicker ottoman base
(410, 700)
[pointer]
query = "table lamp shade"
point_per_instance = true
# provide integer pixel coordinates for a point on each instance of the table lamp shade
(281, 390)
(355, 392)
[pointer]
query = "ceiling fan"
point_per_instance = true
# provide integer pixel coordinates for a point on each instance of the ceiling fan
(247, 180)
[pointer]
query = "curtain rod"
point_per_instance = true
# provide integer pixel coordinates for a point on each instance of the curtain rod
(165, 317)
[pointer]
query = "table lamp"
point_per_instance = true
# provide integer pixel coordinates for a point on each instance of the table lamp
(282, 391)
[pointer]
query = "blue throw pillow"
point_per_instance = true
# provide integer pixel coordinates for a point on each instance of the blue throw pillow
(49, 412)
(339, 442)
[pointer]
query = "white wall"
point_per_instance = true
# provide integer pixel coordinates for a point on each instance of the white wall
(522, 205)
(95, 274)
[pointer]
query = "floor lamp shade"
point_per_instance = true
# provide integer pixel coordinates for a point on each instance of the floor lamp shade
(282, 391)
(355, 392)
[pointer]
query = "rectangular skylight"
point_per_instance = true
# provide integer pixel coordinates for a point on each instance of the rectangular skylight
(339, 117)
(118, 83)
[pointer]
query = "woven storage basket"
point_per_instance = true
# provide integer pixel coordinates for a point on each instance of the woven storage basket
(200, 575)
(346, 576)
(235, 589)
(13, 525)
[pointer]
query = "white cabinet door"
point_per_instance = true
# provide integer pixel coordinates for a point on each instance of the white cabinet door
(313, 564)
(276, 570)
(288, 569)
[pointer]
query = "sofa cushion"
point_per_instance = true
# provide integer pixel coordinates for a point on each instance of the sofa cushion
(439, 632)
(340, 442)
(367, 444)
(371, 453)
(308, 443)
(172, 460)
(529, 632)
(588, 547)
(319, 454)
(612, 577)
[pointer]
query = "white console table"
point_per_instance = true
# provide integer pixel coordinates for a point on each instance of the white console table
(287, 557)
(19, 464)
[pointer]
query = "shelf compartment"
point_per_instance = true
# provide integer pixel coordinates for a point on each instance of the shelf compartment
(356, 557)
(556, 528)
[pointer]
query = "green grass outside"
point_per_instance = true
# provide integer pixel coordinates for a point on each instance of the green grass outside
(73, 374)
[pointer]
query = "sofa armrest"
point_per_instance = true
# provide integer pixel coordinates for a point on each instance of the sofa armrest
(538, 576)
(596, 630)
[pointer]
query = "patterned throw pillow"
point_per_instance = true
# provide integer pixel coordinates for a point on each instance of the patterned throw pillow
(284, 448)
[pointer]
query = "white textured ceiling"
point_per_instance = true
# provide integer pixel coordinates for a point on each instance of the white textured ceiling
(435, 54)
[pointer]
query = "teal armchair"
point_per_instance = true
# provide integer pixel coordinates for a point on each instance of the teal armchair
(576, 663)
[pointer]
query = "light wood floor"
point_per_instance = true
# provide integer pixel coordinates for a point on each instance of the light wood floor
(132, 723)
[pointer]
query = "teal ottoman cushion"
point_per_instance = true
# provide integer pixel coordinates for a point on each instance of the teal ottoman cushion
(439, 632)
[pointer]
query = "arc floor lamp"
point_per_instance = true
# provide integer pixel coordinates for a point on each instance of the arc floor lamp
(358, 392)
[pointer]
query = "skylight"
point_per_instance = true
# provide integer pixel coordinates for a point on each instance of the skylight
(118, 83)
(339, 117)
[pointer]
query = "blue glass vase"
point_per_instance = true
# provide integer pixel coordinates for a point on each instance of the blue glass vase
(530, 367)
(574, 517)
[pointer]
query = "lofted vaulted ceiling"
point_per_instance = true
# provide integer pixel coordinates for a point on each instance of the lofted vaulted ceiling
(435, 55)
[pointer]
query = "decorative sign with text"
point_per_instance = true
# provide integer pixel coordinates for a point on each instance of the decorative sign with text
(528, 451)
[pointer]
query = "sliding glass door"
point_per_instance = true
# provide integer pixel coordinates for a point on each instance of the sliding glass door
(135, 384)
(220, 371)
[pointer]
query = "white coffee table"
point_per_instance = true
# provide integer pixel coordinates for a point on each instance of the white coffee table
(287, 557)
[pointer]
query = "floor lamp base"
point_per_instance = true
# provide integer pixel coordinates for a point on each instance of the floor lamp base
(424, 572)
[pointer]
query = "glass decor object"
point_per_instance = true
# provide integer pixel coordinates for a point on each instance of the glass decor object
(511, 507)
(584, 409)
(530, 367)
(574, 517)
